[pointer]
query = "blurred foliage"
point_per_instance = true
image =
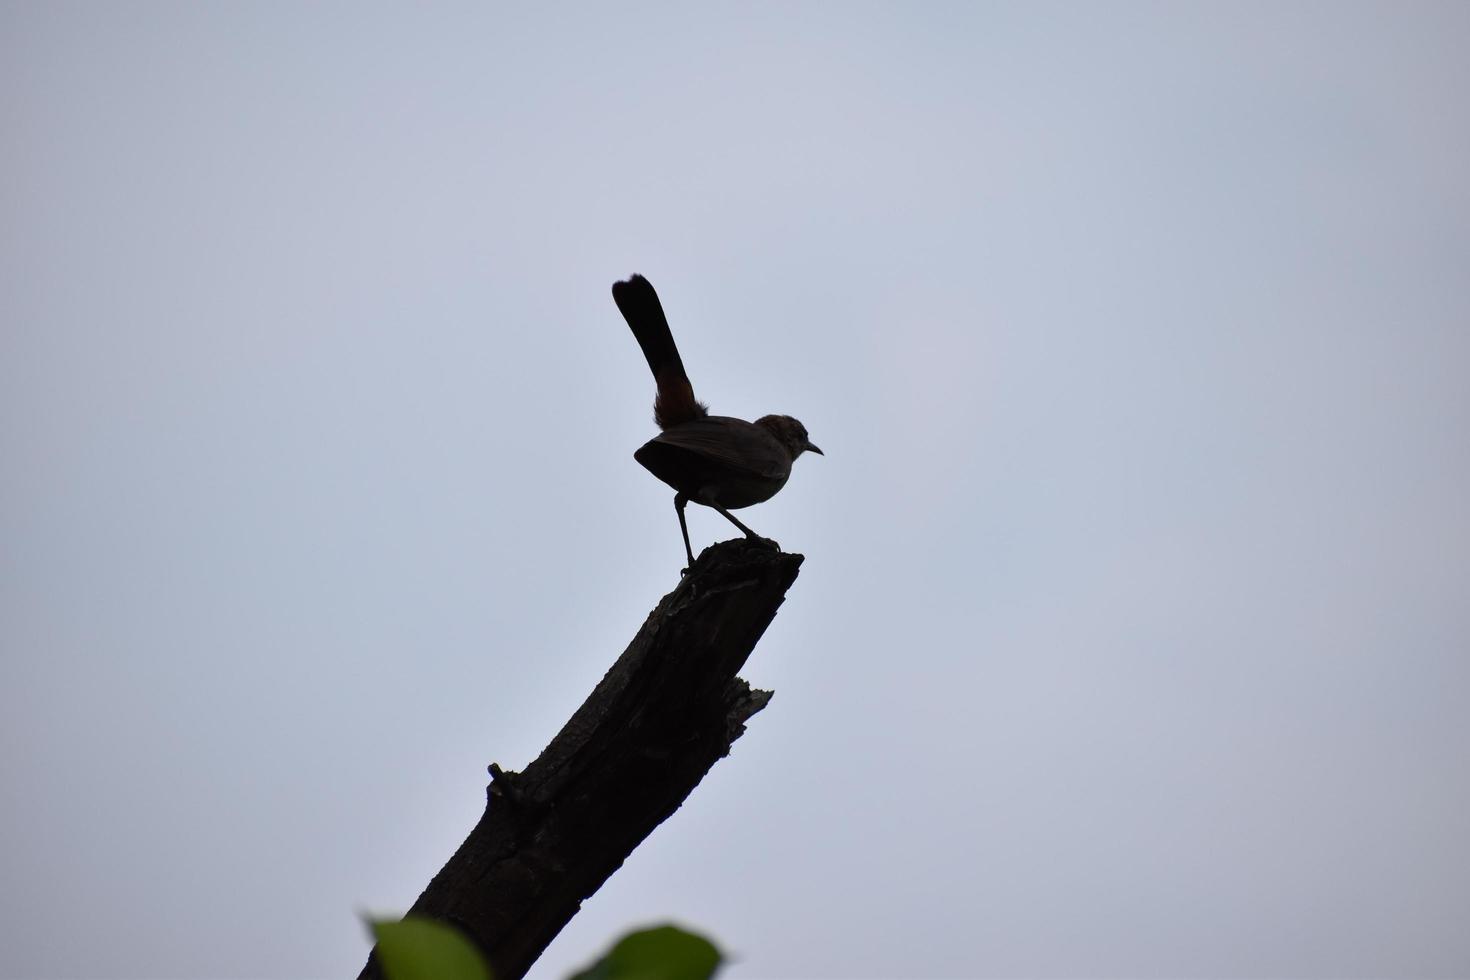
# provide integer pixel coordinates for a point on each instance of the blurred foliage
(418, 948)
(661, 953)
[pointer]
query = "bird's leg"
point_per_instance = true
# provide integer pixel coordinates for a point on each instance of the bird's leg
(731, 518)
(680, 500)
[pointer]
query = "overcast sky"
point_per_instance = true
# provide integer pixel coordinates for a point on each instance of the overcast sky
(1133, 637)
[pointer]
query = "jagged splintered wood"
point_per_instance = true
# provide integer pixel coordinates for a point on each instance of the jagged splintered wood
(665, 713)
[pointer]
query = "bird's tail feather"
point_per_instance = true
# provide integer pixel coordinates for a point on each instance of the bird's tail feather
(639, 305)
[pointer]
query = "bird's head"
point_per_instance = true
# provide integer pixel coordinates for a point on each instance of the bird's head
(789, 433)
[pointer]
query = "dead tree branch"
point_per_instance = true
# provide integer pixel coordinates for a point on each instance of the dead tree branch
(669, 708)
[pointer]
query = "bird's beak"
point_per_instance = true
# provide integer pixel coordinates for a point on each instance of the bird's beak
(813, 449)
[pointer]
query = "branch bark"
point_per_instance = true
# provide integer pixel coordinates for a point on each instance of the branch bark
(670, 707)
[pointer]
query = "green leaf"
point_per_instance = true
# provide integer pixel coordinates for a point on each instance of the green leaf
(660, 953)
(419, 948)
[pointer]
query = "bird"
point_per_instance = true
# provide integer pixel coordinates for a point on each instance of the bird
(721, 462)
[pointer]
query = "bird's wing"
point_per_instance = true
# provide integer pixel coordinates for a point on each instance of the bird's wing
(731, 442)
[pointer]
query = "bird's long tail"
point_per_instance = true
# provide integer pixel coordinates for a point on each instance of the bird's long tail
(639, 305)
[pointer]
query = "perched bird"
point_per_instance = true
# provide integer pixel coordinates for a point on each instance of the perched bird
(721, 462)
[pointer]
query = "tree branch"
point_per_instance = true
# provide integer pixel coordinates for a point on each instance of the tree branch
(662, 716)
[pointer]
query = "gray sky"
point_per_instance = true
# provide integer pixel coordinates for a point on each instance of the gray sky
(1132, 638)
